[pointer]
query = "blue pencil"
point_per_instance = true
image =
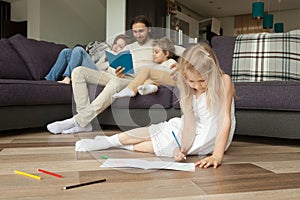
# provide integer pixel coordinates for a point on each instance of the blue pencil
(179, 146)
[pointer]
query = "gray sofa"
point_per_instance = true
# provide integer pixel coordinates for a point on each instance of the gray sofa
(269, 109)
(28, 101)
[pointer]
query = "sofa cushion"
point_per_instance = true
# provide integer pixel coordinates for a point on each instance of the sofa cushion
(223, 46)
(39, 56)
(273, 95)
(175, 98)
(11, 64)
(26, 92)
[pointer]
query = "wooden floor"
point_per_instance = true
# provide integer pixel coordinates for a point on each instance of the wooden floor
(253, 168)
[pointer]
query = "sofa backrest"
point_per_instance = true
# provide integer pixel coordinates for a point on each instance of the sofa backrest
(223, 46)
(39, 56)
(11, 64)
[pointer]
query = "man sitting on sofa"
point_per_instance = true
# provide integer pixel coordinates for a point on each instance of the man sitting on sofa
(86, 111)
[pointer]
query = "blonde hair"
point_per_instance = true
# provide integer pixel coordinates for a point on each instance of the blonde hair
(201, 59)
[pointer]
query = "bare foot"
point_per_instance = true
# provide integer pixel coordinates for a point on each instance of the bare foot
(66, 80)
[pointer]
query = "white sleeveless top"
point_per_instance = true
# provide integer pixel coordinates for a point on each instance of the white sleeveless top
(206, 126)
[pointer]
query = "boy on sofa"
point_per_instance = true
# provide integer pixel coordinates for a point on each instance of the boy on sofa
(147, 80)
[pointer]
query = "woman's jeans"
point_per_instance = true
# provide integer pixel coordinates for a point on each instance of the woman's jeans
(68, 60)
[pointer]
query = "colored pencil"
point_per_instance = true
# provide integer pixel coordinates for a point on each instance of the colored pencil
(178, 144)
(28, 175)
(50, 173)
(83, 184)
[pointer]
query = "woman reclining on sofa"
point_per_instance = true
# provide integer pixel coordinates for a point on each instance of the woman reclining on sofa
(69, 59)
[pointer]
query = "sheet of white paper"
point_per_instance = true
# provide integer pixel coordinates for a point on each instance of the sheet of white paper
(146, 164)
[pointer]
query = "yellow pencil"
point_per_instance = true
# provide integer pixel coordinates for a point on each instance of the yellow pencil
(29, 175)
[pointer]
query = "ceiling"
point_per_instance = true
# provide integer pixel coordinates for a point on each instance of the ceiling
(225, 8)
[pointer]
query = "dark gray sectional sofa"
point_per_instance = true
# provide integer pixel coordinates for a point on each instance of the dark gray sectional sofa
(28, 101)
(269, 109)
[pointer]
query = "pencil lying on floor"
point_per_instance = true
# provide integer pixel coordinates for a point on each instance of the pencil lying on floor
(50, 173)
(28, 175)
(83, 184)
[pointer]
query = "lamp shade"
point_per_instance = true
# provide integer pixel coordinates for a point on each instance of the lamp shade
(258, 10)
(268, 21)
(278, 27)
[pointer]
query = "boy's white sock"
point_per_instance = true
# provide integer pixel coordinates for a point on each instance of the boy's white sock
(60, 126)
(99, 143)
(147, 89)
(78, 129)
(126, 92)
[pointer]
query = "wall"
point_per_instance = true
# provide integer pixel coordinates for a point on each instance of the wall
(19, 10)
(63, 21)
(77, 21)
(33, 19)
(227, 23)
(290, 18)
(115, 18)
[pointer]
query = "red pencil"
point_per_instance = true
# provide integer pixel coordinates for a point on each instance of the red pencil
(50, 173)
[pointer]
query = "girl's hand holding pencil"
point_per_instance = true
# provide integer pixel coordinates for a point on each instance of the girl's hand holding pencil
(178, 155)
